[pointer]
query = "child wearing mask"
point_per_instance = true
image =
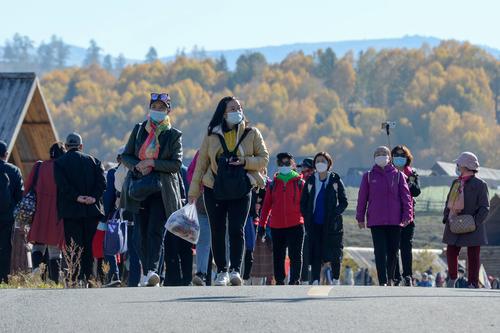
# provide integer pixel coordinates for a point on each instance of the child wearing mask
(282, 201)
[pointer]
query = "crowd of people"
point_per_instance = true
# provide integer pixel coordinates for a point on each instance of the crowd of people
(285, 228)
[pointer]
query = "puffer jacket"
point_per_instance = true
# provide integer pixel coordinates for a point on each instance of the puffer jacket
(252, 150)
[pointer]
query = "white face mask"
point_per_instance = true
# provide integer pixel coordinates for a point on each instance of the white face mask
(321, 167)
(382, 161)
(234, 118)
(285, 170)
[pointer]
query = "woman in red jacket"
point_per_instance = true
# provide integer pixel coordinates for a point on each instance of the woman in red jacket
(282, 201)
(47, 231)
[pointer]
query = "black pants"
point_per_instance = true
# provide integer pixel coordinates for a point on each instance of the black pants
(406, 247)
(82, 231)
(178, 261)
(247, 267)
(293, 239)
(305, 260)
(386, 246)
(5, 249)
(234, 213)
(151, 223)
(316, 255)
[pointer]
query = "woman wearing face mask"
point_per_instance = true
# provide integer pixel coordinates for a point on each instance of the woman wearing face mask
(402, 159)
(468, 196)
(322, 204)
(385, 199)
(228, 167)
(282, 201)
(153, 147)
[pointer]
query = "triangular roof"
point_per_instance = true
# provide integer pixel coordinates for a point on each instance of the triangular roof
(25, 122)
(448, 169)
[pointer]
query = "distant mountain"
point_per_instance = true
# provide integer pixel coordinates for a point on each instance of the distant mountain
(77, 55)
(276, 54)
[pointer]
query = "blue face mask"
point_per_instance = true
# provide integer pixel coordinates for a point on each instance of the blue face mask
(285, 170)
(157, 116)
(234, 118)
(400, 161)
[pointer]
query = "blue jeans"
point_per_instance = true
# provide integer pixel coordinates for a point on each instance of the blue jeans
(204, 245)
(134, 270)
(249, 234)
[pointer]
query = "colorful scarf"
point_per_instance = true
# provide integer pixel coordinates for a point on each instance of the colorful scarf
(151, 147)
(456, 202)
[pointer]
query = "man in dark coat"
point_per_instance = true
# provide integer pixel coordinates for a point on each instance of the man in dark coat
(11, 192)
(81, 183)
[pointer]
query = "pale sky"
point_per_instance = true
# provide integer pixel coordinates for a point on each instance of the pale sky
(131, 27)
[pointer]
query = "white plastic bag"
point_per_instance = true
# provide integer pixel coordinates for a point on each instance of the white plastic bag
(184, 223)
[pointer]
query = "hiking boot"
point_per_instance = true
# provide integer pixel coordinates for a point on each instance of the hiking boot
(222, 279)
(235, 278)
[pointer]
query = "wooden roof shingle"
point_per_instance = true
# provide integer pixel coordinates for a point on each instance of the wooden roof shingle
(16, 91)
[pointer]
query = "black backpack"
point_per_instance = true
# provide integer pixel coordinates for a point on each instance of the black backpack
(5, 193)
(231, 182)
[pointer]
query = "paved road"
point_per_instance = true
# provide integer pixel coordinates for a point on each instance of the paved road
(251, 309)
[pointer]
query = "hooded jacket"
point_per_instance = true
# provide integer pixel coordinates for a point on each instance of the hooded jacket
(282, 201)
(384, 198)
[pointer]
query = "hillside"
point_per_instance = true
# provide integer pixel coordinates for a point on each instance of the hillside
(444, 100)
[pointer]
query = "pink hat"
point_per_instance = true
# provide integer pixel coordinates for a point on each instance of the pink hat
(468, 160)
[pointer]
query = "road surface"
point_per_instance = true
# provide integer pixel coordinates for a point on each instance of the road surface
(251, 309)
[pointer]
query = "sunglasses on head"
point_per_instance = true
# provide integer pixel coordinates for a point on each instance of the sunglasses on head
(160, 97)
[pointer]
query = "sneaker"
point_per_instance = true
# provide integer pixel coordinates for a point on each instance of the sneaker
(153, 279)
(222, 279)
(235, 278)
(408, 281)
(144, 281)
(315, 283)
(335, 282)
(199, 279)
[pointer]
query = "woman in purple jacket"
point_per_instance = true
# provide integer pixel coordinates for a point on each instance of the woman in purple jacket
(384, 191)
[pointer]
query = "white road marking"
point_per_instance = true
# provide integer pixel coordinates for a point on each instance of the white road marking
(319, 291)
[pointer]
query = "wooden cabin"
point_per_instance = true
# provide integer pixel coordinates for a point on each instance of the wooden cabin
(27, 128)
(25, 122)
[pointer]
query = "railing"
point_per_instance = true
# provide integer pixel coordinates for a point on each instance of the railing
(426, 206)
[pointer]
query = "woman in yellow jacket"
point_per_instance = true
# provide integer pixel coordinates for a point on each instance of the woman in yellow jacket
(229, 164)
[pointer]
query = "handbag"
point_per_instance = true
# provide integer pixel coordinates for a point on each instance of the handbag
(231, 181)
(115, 239)
(141, 187)
(24, 211)
(462, 224)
